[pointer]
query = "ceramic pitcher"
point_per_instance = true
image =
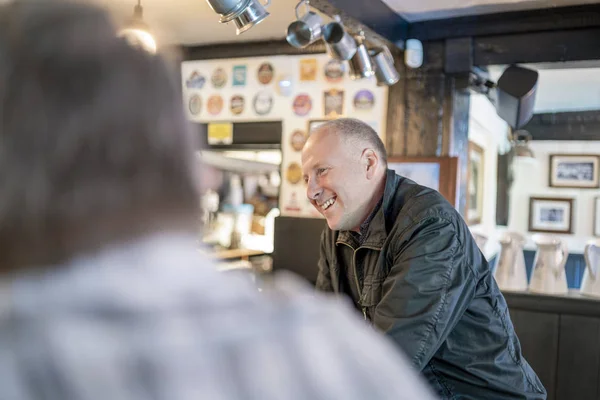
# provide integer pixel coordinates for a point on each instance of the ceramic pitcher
(549, 276)
(510, 269)
(590, 286)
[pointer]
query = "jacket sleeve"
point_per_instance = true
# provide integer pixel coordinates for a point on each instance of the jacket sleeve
(324, 275)
(427, 290)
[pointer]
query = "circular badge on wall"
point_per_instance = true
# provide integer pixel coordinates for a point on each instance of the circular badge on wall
(263, 103)
(364, 100)
(265, 73)
(297, 140)
(195, 81)
(215, 104)
(334, 71)
(237, 104)
(195, 104)
(293, 173)
(302, 105)
(219, 78)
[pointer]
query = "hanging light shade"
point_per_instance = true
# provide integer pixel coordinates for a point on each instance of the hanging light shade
(137, 32)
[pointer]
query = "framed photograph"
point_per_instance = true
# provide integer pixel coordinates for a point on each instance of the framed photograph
(475, 183)
(574, 171)
(439, 173)
(551, 215)
(597, 216)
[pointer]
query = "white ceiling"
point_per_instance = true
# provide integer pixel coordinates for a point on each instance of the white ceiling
(421, 10)
(191, 22)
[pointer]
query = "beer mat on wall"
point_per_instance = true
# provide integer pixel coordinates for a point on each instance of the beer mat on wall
(239, 75)
(263, 103)
(333, 103)
(293, 205)
(237, 104)
(219, 78)
(364, 100)
(308, 69)
(195, 81)
(334, 71)
(302, 105)
(215, 104)
(195, 104)
(298, 139)
(293, 173)
(265, 73)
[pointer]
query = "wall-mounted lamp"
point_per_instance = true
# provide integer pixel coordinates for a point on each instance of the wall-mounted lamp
(361, 65)
(306, 29)
(244, 13)
(137, 33)
(385, 71)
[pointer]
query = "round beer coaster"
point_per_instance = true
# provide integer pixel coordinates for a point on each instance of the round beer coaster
(219, 78)
(334, 71)
(297, 140)
(195, 104)
(265, 73)
(215, 104)
(263, 103)
(237, 104)
(364, 100)
(293, 173)
(302, 105)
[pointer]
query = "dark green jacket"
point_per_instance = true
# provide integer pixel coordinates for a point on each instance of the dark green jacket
(427, 285)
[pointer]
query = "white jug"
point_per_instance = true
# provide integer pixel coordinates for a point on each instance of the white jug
(549, 276)
(590, 285)
(510, 268)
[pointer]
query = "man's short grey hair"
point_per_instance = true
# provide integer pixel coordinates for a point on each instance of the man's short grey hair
(356, 131)
(94, 145)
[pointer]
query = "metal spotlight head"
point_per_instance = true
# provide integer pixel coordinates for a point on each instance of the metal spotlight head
(385, 71)
(244, 13)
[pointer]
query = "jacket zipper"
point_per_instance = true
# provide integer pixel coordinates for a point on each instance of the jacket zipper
(364, 309)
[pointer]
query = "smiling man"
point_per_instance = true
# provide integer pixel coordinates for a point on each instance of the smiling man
(407, 260)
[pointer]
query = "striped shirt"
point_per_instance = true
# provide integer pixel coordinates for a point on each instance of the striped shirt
(151, 320)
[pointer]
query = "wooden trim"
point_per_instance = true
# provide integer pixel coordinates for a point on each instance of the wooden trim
(249, 49)
(570, 125)
(474, 146)
(596, 172)
(448, 173)
(569, 200)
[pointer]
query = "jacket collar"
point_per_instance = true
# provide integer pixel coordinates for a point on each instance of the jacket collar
(377, 231)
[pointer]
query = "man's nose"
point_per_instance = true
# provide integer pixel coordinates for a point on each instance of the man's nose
(313, 191)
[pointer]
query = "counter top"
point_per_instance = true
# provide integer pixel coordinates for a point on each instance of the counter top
(573, 303)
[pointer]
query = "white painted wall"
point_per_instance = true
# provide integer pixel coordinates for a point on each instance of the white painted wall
(531, 180)
(488, 131)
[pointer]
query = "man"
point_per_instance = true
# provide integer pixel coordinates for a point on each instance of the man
(406, 258)
(102, 295)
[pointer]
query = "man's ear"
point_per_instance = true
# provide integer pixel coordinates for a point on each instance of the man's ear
(370, 161)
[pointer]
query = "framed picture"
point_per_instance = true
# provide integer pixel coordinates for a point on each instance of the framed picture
(574, 171)
(475, 183)
(439, 173)
(597, 216)
(552, 215)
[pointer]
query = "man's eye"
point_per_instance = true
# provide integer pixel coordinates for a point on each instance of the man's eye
(321, 171)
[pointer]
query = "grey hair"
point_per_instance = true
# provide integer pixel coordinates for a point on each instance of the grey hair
(94, 145)
(357, 132)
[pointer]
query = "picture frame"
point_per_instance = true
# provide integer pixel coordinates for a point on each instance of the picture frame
(439, 173)
(475, 184)
(597, 216)
(551, 215)
(577, 171)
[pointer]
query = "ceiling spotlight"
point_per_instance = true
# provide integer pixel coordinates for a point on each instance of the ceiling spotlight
(361, 65)
(306, 29)
(340, 45)
(385, 71)
(137, 33)
(244, 13)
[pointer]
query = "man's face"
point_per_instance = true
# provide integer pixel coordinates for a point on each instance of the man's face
(337, 184)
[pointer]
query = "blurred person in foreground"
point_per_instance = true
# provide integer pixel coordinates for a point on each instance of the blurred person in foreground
(407, 260)
(103, 295)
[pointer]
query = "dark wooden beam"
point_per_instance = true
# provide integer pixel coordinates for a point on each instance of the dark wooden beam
(548, 19)
(574, 125)
(248, 49)
(374, 14)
